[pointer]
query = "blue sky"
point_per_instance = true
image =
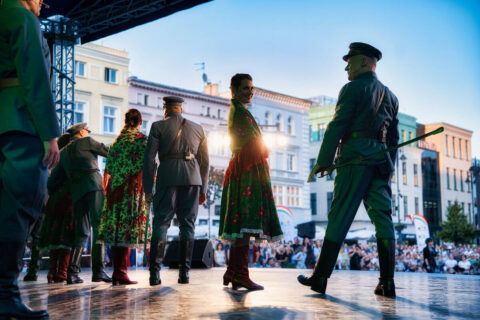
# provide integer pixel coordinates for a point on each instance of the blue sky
(431, 50)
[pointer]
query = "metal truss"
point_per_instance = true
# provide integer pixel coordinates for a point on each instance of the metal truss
(61, 33)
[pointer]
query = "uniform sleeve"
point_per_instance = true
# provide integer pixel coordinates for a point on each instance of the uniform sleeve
(57, 176)
(26, 49)
(203, 162)
(98, 148)
(149, 159)
(338, 127)
(392, 130)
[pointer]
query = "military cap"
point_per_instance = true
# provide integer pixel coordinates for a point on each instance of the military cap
(357, 48)
(172, 101)
(76, 128)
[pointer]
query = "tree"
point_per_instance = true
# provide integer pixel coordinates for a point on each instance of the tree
(214, 190)
(456, 228)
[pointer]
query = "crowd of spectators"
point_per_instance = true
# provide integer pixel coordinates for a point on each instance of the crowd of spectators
(460, 259)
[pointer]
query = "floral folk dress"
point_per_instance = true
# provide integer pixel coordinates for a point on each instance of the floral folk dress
(124, 216)
(247, 205)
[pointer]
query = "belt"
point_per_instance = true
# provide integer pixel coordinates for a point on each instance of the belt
(363, 134)
(9, 82)
(173, 156)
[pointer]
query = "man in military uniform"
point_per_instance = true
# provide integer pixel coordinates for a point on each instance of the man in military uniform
(365, 123)
(181, 184)
(28, 128)
(78, 163)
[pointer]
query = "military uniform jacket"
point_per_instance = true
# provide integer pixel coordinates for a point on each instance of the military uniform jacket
(78, 163)
(27, 107)
(355, 109)
(176, 172)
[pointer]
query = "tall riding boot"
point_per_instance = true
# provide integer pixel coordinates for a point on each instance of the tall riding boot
(386, 257)
(63, 259)
(185, 261)
(120, 269)
(241, 277)
(157, 250)
(74, 266)
(228, 276)
(323, 268)
(10, 302)
(34, 264)
(52, 271)
(98, 259)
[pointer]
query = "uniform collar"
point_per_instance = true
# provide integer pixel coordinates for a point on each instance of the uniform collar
(12, 4)
(174, 114)
(366, 75)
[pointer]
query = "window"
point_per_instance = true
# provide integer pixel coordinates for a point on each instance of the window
(291, 162)
(159, 102)
(393, 177)
(219, 114)
(143, 128)
(410, 135)
(415, 174)
(454, 150)
(79, 69)
(394, 204)
(446, 145)
(329, 200)
(202, 222)
(79, 113)
(110, 75)
(291, 126)
(278, 194)
(312, 164)
(461, 181)
(145, 100)
(217, 209)
(280, 123)
(417, 208)
(405, 206)
(293, 196)
(455, 179)
(469, 183)
(466, 150)
(313, 203)
(215, 223)
(139, 98)
(460, 148)
(330, 178)
(404, 135)
(404, 172)
(448, 178)
(109, 119)
(469, 212)
(208, 112)
(268, 119)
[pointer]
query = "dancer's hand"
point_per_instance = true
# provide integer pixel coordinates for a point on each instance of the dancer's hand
(202, 198)
(148, 197)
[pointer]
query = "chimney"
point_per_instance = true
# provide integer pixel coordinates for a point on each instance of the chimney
(211, 89)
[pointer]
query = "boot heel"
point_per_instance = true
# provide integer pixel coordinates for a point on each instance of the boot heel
(226, 282)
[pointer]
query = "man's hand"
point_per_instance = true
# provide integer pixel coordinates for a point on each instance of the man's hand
(202, 198)
(148, 198)
(52, 154)
(320, 169)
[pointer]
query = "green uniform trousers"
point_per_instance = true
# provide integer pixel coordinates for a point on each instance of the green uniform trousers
(352, 185)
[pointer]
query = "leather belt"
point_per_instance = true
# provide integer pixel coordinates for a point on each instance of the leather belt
(9, 82)
(173, 156)
(363, 134)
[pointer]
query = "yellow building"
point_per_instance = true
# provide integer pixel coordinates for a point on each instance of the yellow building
(454, 160)
(101, 90)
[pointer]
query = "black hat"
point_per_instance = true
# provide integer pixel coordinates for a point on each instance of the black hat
(73, 130)
(357, 48)
(172, 101)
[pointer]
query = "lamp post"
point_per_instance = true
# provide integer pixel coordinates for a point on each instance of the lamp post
(399, 226)
(470, 182)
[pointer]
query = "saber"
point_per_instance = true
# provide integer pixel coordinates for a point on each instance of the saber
(359, 160)
(147, 223)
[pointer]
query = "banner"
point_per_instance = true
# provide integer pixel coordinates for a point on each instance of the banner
(421, 230)
(285, 216)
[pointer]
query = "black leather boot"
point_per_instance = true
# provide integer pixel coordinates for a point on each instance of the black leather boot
(34, 264)
(185, 261)
(11, 305)
(74, 266)
(157, 249)
(98, 259)
(323, 268)
(386, 257)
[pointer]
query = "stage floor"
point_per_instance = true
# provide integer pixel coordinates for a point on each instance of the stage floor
(349, 296)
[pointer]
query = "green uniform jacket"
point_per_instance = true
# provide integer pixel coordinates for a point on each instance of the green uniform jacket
(28, 107)
(355, 108)
(78, 163)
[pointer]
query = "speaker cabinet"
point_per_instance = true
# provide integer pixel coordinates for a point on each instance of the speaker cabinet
(306, 229)
(202, 254)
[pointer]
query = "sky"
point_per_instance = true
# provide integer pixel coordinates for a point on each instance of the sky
(431, 50)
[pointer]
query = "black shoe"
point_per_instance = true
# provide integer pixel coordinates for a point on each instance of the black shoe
(317, 284)
(385, 288)
(74, 279)
(101, 276)
(14, 307)
(155, 278)
(183, 277)
(30, 276)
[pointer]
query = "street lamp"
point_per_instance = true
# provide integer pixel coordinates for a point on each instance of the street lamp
(472, 208)
(399, 226)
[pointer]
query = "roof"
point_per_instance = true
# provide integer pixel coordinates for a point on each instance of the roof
(101, 18)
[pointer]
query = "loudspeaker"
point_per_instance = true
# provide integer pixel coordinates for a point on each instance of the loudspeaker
(306, 229)
(202, 254)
